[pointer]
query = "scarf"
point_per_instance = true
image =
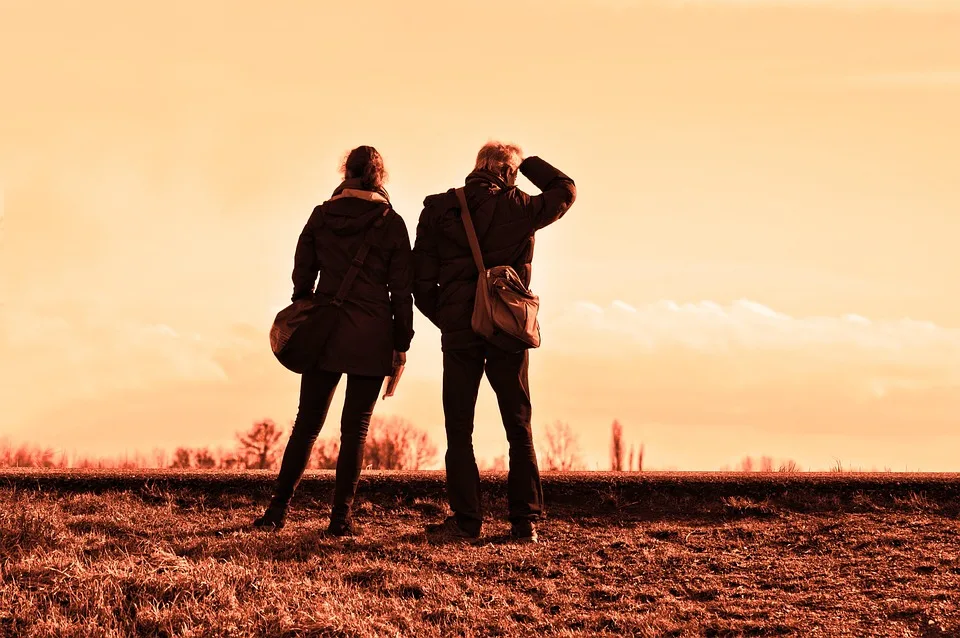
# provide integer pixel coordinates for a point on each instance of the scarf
(354, 187)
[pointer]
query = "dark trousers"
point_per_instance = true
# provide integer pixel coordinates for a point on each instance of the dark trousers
(507, 373)
(316, 393)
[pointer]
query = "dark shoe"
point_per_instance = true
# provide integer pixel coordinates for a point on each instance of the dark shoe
(343, 528)
(272, 519)
(524, 532)
(449, 528)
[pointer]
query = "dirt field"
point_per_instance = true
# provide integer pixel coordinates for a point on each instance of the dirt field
(164, 554)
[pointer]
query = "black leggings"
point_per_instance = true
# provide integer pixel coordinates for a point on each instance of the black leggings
(316, 393)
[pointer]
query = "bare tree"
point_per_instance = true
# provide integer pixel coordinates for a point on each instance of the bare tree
(424, 451)
(616, 448)
(228, 462)
(226, 459)
(26, 456)
(640, 459)
(159, 457)
(23, 456)
(204, 460)
(260, 446)
(563, 448)
(395, 444)
(181, 458)
(766, 464)
(126, 463)
(44, 458)
(746, 464)
(324, 455)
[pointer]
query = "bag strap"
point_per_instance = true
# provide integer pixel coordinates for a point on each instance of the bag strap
(471, 231)
(358, 260)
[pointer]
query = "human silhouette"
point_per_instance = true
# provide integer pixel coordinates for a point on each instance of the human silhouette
(506, 220)
(371, 336)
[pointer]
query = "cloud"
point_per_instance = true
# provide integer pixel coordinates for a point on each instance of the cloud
(745, 325)
(744, 366)
(48, 358)
(622, 305)
(106, 384)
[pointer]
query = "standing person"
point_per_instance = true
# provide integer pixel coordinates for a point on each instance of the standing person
(372, 335)
(505, 219)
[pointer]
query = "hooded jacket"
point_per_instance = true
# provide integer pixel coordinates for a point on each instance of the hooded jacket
(377, 316)
(505, 219)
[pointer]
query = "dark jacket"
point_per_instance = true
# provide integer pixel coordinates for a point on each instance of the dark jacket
(505, 218)
(377, 316)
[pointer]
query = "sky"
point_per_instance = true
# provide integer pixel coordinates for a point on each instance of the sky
(760, 260)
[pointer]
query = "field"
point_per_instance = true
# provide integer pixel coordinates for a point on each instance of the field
(170, 554)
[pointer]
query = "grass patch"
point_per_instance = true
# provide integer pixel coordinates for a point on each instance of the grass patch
(168, 562)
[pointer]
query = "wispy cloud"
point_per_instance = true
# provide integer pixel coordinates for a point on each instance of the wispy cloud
(745, 324)
(747, 364)
(85, 357)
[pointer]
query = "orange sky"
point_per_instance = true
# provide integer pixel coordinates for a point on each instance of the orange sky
(761, 259)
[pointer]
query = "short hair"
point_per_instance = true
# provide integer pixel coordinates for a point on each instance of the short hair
(366, 163)
(494, 157)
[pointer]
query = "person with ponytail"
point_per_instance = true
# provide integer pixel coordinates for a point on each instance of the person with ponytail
(372, 335)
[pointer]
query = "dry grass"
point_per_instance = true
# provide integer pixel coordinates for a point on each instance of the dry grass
(165, 562)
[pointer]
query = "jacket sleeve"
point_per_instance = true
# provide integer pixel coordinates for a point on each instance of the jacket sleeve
(426, 260)
(400, 283)
(558, 192)
(305, 266)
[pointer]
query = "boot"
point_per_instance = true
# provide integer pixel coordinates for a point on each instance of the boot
(343, 527)
(273, 518)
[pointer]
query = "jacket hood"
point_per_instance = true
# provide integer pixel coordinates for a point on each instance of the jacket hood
(478, 185)
(353, 208)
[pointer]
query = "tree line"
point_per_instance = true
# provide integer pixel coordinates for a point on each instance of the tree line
(393, 443)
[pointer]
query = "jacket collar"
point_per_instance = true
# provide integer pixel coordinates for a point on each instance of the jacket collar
(370, 196)
(495, 181)
(354, 187)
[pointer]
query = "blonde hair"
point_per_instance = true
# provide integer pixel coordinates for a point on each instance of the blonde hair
(499, 158)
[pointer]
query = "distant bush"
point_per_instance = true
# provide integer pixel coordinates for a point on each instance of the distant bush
(260, 446)
(396, 444)
(324, 455)
(562, 450)
(29, 456)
